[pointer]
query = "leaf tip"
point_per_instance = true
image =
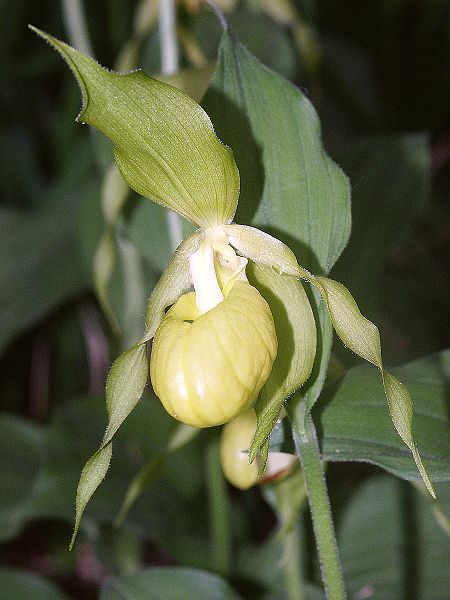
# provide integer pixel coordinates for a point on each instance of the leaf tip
(423, 472)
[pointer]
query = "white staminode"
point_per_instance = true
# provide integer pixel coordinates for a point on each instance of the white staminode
(203, 270)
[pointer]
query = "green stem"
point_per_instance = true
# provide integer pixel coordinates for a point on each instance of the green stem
(291, 562)
(218, 507)
(308, 451)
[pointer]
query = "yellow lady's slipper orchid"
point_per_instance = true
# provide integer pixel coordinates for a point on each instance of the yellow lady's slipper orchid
(215, 348)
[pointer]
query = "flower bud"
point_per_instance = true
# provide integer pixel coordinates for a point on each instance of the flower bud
(208, 368)
(237, 436)
(234, 444)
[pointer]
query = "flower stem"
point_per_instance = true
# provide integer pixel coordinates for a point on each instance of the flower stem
(218, 506)
(307, 447)
(291, 563)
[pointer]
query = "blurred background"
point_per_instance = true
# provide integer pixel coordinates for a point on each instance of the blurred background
(80, 254)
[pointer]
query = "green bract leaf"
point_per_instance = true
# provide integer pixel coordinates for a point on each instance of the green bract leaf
(295, 326)
(124, 387)
(164, 143)
(290, 187)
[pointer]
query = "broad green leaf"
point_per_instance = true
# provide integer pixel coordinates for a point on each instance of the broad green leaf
(164, 143)
(296, 330)
(32, 282)
(25, 585)
(355, 426)
(391, 546)
(290, 187)
(22, 451)
(162, 583)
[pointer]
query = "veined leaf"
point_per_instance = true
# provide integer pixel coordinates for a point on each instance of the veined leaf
(290, 187)
(391, 546)
(164, 143)
(355, 425)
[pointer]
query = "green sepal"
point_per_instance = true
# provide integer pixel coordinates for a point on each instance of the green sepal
(295, 326)
(164, 142)
(175, 281)
(124, 387)
(357, 333)
(362, 337)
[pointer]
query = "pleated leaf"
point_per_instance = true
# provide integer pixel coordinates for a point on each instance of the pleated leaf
(355, 425)
(164, 142)
(290, 186)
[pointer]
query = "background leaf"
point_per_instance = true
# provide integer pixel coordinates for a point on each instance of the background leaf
(390, 178)
(391, 546)
(15, 583)
(289, 187)
(353, 423)
(32, 283)
(170, 582)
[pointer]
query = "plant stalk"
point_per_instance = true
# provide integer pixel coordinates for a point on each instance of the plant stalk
(291, 563)
(218, 507)
(308, 451)
(170, 66)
